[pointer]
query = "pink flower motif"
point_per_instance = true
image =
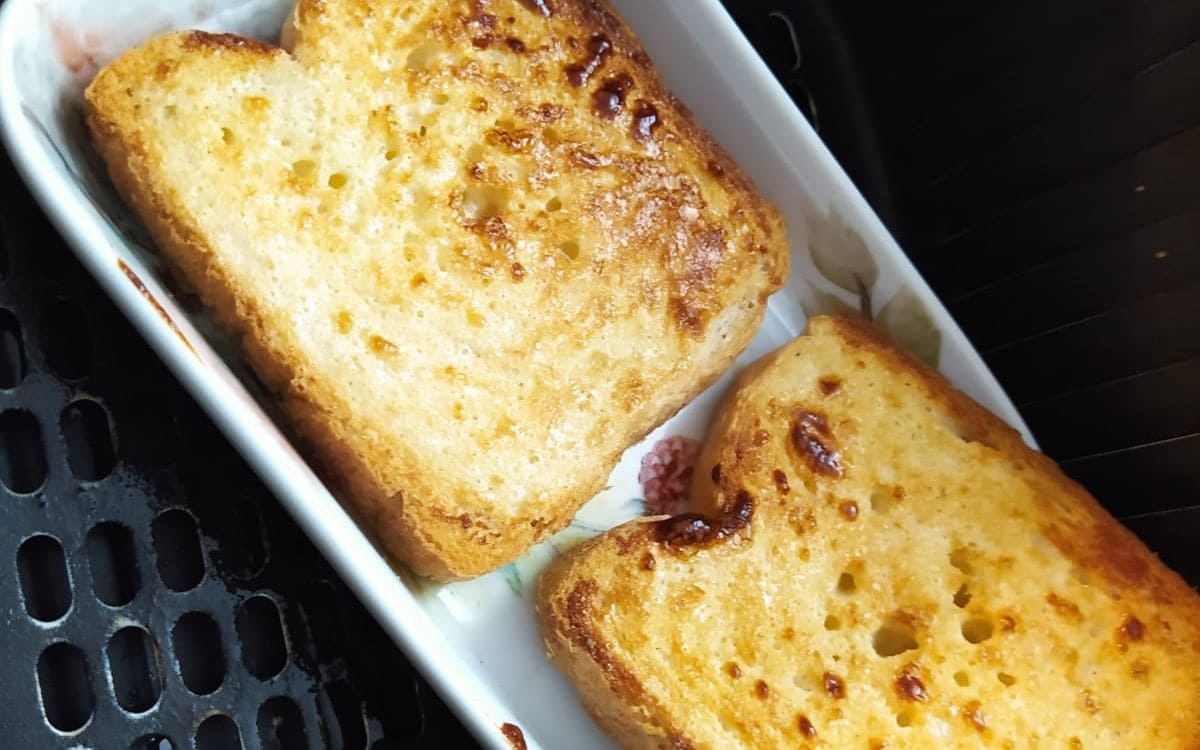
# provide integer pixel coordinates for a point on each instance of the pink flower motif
(666, 474)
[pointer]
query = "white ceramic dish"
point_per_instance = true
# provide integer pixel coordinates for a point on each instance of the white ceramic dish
(475, 641)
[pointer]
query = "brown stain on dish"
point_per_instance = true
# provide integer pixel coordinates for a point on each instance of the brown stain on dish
(207, 40)
(694, 530)
(813, 440)
(158, 308)
(514, 735)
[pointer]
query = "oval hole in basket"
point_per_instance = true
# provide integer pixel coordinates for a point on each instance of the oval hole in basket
(86, 431)
(134, 667)
(177, 549)
(280, 725)
(260, 628)
(52, 259)
(198, 652)
(401, 713)
(347, 708)
(22, 452)
(112, 559)
(45, 583)
(242, 539)
(67, 341)
(13, 365)
(218, 732)
(319, 604)
(66, 689)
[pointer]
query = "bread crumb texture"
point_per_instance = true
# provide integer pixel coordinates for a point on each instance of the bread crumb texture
(974, 598)
(475, 246)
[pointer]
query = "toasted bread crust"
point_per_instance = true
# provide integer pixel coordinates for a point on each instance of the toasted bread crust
(691, 282)
(984, 599)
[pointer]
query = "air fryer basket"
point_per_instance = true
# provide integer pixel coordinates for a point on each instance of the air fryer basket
(1040, 163)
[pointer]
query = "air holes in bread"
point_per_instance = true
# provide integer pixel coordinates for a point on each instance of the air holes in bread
(391, 154)
(338, 180)
(484, 201)
(441, 98)
(424, 57)
(959, 559)
(304, 169)
(1006, 679)
(227, 136)
(962, 597)
(884, 499)
(846, 583)
(962, 679)
(570, 248)
(554, 204)
(977, 630)
(832, 622)
(893, 638)
(905, 718)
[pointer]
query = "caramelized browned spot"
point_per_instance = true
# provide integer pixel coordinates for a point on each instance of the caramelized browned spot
(781, 482)
(849, 510)
(1131, 630)
(830, 385)
(482, 42)
(762, 690)
(812, 439)
(518, 271)
(514, 735)
(908, 684)
(539, 6)
(973, 714)
(1104, 547)
(599, 49)
(1008, 624)
(833, 685)
(733, 670)
(716, 473)
(158, 308)
(610, 97)
(692, 529)
(761, 437)
(1064, 607)
(645, 120)
(715, 168)
(202, 39)
(382, 346)
(687, 315)
(1139, 670)
(648, 562)
(805, 726)
(514, 44)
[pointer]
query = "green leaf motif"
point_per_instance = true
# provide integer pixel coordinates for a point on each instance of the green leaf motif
(841, 255)
(512, 577)
(905, 317)
(570, 537)
(825, 303)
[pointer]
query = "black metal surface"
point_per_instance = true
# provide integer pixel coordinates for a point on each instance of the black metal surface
(1040, 163)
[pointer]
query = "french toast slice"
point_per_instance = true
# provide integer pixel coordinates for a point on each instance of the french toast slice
(877, 562)
(475, 247)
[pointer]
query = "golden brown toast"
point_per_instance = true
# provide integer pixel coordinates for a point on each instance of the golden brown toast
(475, 247)
(879, 563)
